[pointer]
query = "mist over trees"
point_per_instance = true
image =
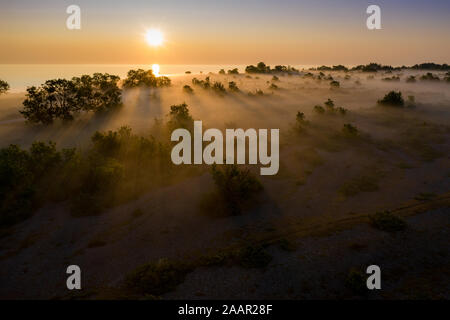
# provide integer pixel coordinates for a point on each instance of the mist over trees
(63, 99)
(4, 87)
(263, 68)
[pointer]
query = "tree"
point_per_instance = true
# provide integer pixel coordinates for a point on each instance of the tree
(4, 87)
(144, 78)
(97, 93)
(54, 99)
(61, 98)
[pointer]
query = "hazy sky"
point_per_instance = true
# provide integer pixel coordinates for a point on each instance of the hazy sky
(226, 32)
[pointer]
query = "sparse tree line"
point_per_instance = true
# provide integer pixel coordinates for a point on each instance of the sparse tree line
(64, 99)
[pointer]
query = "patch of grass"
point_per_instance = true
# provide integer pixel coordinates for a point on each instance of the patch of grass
(387, 221)
(157, 278)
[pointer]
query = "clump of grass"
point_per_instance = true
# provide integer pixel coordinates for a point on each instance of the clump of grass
(219, 87)
(157, 278)
(253, 257)
(393, 99)
(387, 221)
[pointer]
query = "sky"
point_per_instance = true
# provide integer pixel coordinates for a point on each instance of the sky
(292, 32)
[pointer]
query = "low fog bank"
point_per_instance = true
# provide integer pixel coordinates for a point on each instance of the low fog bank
(282, 98)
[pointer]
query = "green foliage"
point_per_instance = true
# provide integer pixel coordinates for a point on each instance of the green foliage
(387, 221)
(393, 98)
(180, 117)
(219, 87)
(205, 84)
(157, 278)
(4, 86)
(235, 187)
(116, 168)
(62, 99)
(429, 77)
(145, 78)
(358, 184)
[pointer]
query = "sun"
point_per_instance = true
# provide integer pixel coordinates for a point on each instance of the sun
(154, 37)
(155, 69)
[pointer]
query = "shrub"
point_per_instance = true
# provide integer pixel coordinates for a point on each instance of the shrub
(429, 77)
(335, 84)
(157, 278)
(233, 71)
(180, 117)
(235, 187)
(411, 79)
(275, 78)
(4, 87)
(386, 221)
(356, 282)
(188, 89)
(219, 87)
(221, 71)
(392, 99)
(350, 130)
(273, 86)
(319, 109)
(232, 86)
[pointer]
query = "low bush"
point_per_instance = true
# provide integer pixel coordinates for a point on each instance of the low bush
(392, 98)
